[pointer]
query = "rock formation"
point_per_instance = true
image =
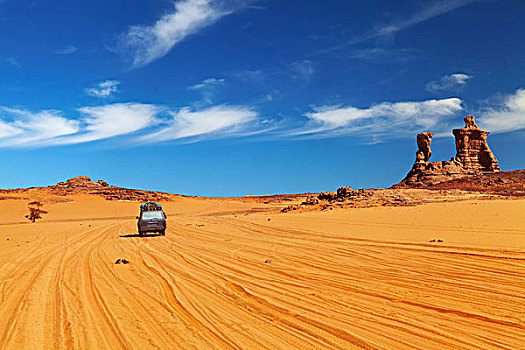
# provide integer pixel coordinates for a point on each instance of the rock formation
(423, 144)
(473, 157)
(472, 149)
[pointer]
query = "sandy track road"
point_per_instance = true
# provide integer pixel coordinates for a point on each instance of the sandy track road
(336, 281)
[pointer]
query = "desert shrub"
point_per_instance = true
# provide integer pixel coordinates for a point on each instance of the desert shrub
(35, 211)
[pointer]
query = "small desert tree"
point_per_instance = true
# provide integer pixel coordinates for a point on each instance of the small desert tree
(35, 211)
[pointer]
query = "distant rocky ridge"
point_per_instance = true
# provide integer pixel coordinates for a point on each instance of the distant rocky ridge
(473, 157)
(84, 185)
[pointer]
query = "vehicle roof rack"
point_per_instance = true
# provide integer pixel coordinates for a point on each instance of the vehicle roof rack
(150, 206)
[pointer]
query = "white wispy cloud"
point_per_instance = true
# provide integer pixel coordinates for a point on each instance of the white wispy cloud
(104, 89)
(22, 127)
(130, 122)
(137, 123)
(207, 89)
(382, 120)
(448, 82)
(13, 61)
(213, 122)
(507, 116)
(68, 50)
(302, 70)
(380, 53)
(207, 83)
(8, 130)
(148, 43)
(113, 120)
(430, 10)
(254, 76)
(297, 71)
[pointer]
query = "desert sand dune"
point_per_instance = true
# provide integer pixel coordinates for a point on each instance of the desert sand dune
(343, 279)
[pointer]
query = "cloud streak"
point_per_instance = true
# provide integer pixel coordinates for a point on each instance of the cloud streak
(449, 82)
(146, 44)
(131, 122)
(385, 120)
(508, 116)
(207, 89)
(214, 122)
(298, 72)
(104, 89)
(27, 128)
(68, 50)
(207, 83)
(13, 61)
(138, 123)
(113, 120)
(431, 10)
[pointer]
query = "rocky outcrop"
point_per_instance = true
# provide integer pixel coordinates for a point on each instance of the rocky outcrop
(128, 194)
(326, 196)
(79, 180)
(502, 183)
(310, 201)
(343, 193)
(84, 185)
(473, 157)
(344, 196)
(102, 183)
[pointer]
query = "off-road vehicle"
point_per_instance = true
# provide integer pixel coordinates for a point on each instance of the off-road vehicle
(151, 219)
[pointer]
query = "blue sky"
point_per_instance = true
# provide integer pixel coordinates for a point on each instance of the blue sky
(234, 97)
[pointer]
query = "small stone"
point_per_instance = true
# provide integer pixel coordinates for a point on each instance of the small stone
(268, 261)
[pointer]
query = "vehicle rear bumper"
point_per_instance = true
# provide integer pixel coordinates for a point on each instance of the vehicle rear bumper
(151, 228)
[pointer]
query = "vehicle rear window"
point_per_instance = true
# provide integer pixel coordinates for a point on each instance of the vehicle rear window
(152, 215)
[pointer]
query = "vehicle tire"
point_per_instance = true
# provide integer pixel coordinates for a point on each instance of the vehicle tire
(162, 232)
(141, 233)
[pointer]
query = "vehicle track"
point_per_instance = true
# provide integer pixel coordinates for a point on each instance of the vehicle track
(216, 281)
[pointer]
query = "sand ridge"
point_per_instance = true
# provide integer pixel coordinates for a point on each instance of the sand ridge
(343, 279)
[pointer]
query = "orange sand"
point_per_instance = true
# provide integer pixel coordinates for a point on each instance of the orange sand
(345, 279)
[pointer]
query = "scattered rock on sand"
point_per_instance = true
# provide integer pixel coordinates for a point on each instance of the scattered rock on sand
(326, 196)
(310, 201)
(290, 208)
(268, 261)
